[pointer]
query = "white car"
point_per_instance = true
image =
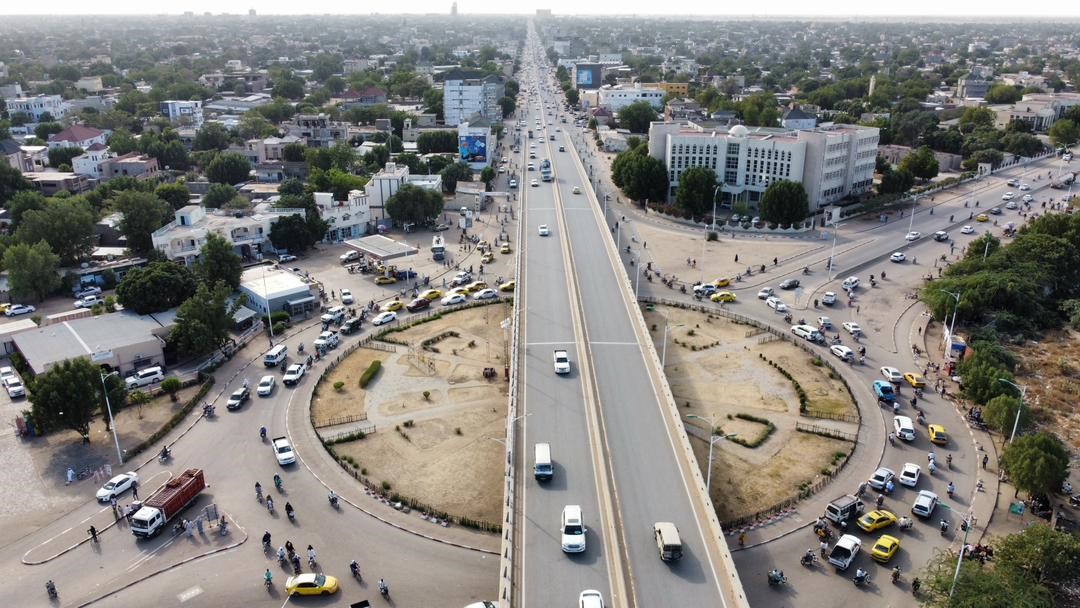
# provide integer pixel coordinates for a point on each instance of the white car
(572, 530)
(765, 293)
(881, 478)
(346, 296)
(349, 256)
(117, 486)
(18, 309)
(88, 301)
(892, 374)
(283, 451)
(534, 183)
(1008, 196)
(909, 475)
(454, 298)
(486, 294)
(383, 318)
(845, 353)
(914, 235)
(266, 386)
(293, 374)
(828, 298)
(776, 304)
(924, 503)
(1027, 198)
(851, 327)
(543, 230)
(14, 387)
(513, 183)
(1025, 187)
(590, 598)
(7, 372)
(967, 230)
(285, 257)
(88, 291)
(562, 362)
(824, 322)
(904, 428)
(897, 257)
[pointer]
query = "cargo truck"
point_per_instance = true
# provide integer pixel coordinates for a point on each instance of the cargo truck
(163, 505)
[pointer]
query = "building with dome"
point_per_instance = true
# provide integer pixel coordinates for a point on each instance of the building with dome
(830, 161)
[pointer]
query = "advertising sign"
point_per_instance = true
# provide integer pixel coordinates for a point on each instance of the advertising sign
(472, 148)
(584, 77)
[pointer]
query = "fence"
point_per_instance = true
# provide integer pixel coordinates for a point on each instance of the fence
(339, 420)
(367, 428)
(839, 416)
(825, 431)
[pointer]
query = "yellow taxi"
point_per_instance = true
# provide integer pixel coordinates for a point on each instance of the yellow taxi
(885, 548)
(508, 286)
(464, 291)
(475, 286)
(382, 280)
(488, 257)
(392, 306)
(311, 583)
(718, 283)
(875, 520)
(915, 380)
(431, 295)
(722, 296)
(505, 248)
(982, 217)
(937, 434)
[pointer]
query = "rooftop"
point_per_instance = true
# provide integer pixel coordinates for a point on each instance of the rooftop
(382, 247)
(275, 281)
(45, 346)
(76, 133)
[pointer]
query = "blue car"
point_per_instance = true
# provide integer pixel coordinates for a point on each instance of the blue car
(884, 391)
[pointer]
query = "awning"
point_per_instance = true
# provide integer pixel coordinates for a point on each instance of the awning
(301, 301)
(243, 313)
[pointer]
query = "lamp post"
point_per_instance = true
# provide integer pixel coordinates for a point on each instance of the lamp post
(911, 220)
(713, 438)
(637, 279)
(832, 254)
(663, 351)
(714, 193)
(952, 324)
(1023, 395)
(963, 548)
(108, 408)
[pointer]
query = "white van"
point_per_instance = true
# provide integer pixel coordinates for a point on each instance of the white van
(334, 315)
(904, 428)
(668, 542)
(808, 333)
(542, 468)
(144, 377)
(276, 355)
(850, 283)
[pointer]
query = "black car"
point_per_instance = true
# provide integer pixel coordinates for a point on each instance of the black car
(789, 284)
(351, 325)
(238, 398)
(995, 211)
(418, 304)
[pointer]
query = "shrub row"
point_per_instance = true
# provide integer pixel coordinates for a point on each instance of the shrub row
(175, 420)
(804, 399)
(770, 428)
(369, 373)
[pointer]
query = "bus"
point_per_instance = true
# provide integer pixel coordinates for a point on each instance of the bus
(545, 170)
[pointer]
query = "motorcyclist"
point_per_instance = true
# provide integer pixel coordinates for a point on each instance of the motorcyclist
(943, 525)
(258, 490)
(776, 576)
(310, 554)
(269, 504)
(354, 568)
(266, 538)
(289, 509)
(808, 557)
(165, 453)
(268, 577)
(896, 574)
(262, 432)
(50, 588)
(384, 588)
(277, 481)
(289, 547)
(951, 489)
(860, 576)
(332, 497)
(281, 554)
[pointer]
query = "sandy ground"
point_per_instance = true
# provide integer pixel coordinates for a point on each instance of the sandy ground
(747, 480)
(717, 258)
(451, 457)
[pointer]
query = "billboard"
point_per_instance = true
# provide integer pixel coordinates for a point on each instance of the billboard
(584, 77)
(588, 75)
(472, 148)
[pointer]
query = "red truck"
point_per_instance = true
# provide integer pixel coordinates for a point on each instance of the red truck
(171, 499)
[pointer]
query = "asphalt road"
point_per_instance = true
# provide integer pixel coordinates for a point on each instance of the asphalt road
(647, 479)
(554, 407)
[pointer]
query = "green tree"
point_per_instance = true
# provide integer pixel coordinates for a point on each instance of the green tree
(70, 393)
(337, 182)
(454, 173)
(254, 126)
(32, 270)
(211, 136)
(11, 181)
(1064, 132)
(414, 204)
(487, 175)
(156, 287)
(293, 234)
(697, 185)
(67, 224)
(977, 585)
(177, 195)
(143, 214)
(45, 129)
(218, 263)
(63, 155)
(1036, 463)
(1002, 94)
(644, 178)
(896, 181)
(921, 163)
(507, 104)
(291, 186)
(573, 97)
(23, 201)
(784, 202)
(229, 168)
(293, 153)
(1022, 144)
(436, 141)
(204, 319)
(1000, 414)
(122, 141)
(1051, 558)
(217, 195)
(637, 116)
(973, 118)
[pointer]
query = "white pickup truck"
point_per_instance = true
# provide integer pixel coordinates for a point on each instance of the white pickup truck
(562, 362)
(845, 551)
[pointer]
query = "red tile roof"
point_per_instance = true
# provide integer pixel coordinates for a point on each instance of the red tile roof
(76, 133)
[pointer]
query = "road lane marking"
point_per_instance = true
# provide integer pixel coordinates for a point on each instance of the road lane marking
(556, 343)
(189, 594)
(634, 344)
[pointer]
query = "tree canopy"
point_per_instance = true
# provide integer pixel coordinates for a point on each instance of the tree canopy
(143, 213)
(921, 163)
(67, 224)
(204, 319)
(1036, 463)
(637, 116)
(697, 187)
(70, 393)
(32, 270)
(229, 168)
(218, 263)
(156, 287)
(414, 204)
(640, 176)
(784, 202)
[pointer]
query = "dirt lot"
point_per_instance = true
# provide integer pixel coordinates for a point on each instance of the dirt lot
(451, 455)
(746, 480)
(1050, 368)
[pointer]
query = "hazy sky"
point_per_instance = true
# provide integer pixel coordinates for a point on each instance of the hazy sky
(773, 8)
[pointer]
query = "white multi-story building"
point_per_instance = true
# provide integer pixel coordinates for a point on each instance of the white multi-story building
(182, 239)
(37, 105)
(347, 219)
(831, 161)
(465, 98)
(89, 163)
(183, 112)
(389, 180)
(618, 97)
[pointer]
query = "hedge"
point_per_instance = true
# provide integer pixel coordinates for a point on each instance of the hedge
(770, 428)
(369, 373)
(175, 420)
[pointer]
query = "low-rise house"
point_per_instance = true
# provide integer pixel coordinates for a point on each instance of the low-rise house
(77, 136)
(182, 239)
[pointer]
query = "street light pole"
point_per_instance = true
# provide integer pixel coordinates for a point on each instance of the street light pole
(911, 221)
(714, 192)
(1023, 395)
(108, 407)
(952, 325)
(832, 254)
(960, 559)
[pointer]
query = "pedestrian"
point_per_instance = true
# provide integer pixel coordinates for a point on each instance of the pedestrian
(93, 533)
(115, 508)
(644, 245)
(857, 309)
(70, 476)
(736, 258)
(986, 459)
(824, 547)
(199, 525)
(742, 539)
(135, 490)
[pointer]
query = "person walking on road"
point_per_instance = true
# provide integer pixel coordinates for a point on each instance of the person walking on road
(93, 533)
(135, 489)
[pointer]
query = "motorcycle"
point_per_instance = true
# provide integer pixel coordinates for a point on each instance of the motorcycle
(384, 589)
(808, 559)
(262, 433)
(333, 500)
(896, 575)
(50, 588)
(806, 270)
(944, 527)
(208, 410)
(905, 523)
(290, 512)
(268, 579)
(776, 577)
(861, 578)
(164, 456)
(355, 569)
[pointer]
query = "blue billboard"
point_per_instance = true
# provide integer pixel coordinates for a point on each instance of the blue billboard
(584, 77)
(472, 148)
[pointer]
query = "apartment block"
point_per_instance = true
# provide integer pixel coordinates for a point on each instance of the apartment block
(37, 105)
(183, 112)
(183, 238)
(464, 99)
